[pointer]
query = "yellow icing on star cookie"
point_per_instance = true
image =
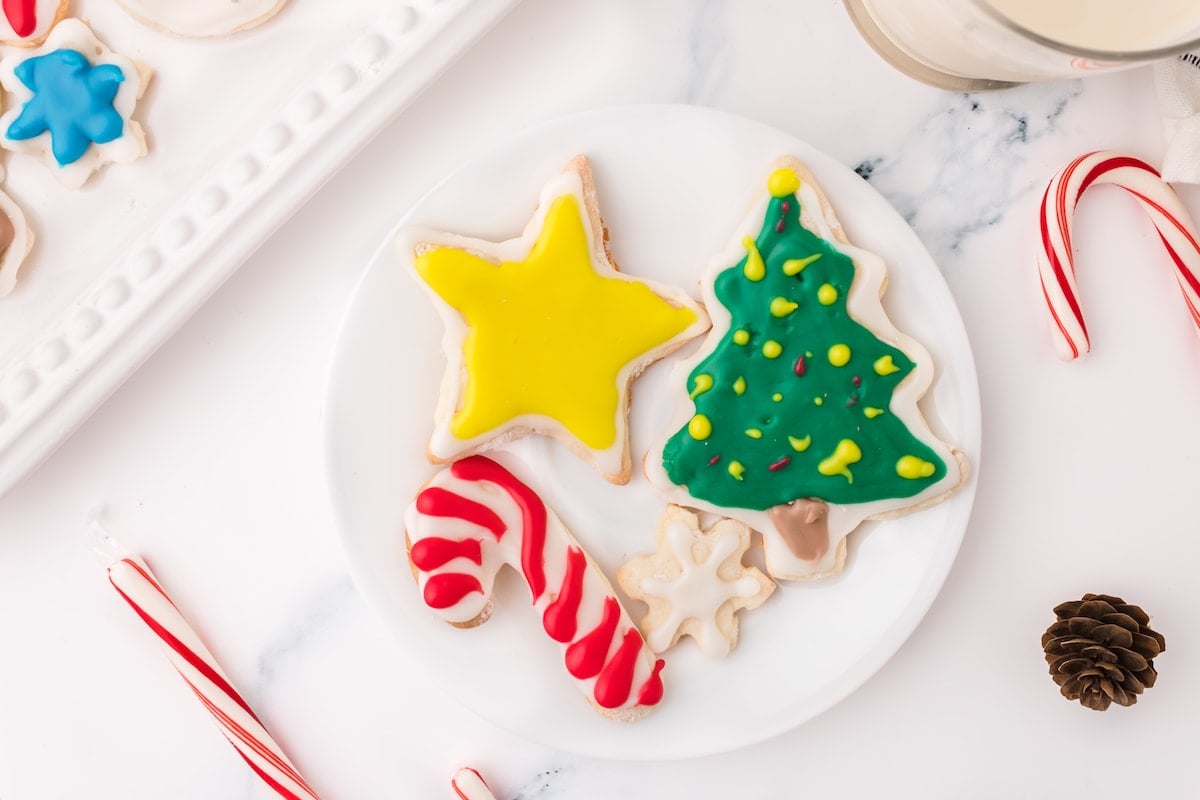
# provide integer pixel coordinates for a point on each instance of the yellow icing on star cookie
(548, 335)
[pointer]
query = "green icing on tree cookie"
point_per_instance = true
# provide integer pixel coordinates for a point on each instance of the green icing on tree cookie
(795, 400)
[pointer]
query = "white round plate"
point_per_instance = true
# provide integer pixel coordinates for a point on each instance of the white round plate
(673, 183)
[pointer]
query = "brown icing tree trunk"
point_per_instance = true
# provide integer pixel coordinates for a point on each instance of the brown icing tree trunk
(804, 526)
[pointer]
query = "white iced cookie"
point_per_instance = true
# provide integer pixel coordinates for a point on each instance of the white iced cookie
(25, 23)
(16, 240)
(202, 18)
(72, 104)
(695, 584)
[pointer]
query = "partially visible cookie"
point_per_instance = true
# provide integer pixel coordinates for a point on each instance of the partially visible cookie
(695, 584)
(73, 104)
(16, 240)
(202, 18)
(25, 23)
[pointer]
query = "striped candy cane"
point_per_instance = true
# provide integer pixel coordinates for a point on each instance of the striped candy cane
(469, 785)
(196, 665)
(1056, 258)
(475, 517)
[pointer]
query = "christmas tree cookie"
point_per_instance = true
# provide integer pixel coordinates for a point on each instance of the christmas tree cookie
(799, 415)
(543, 333)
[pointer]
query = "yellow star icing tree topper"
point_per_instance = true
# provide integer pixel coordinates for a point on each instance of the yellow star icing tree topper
(544, 334)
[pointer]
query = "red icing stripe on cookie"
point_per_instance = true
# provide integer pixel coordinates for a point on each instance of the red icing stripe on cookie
(438, 502)
(429, 554)
(560, 619)
(443, 591)
(533, 514)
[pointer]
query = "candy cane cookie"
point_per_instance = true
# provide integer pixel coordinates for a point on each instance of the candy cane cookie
(1056, 258)
(475, 517)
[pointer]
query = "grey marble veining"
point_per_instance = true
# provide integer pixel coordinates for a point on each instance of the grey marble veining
(961, 170)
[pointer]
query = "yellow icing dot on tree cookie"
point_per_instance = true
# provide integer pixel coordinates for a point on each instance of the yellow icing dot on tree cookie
(739, 386)
(772, 349)
(755, 270)
(885, 366)
(548, 335)
(839, 355)
(741, 337)
(702, 384)
(913, 468)
(777, 397)
(736, 469)
(799, 445)
(845, 454)
(827, 295)
(754, 433)
(783, 182)
(782, 307)
(871, 413)
(700, 428)
(794, 266)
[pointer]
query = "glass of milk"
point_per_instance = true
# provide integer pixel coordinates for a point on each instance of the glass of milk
(968, 45)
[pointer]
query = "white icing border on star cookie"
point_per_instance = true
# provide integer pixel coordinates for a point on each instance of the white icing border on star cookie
(864, 305)
(71, 34)
(202, 18)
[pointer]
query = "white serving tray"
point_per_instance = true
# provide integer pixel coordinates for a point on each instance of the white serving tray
(242, 130)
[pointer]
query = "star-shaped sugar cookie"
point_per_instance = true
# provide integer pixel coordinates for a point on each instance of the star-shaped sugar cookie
(543, 333)
(695, 583)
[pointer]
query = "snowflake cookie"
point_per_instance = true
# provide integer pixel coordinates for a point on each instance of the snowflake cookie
(74, 103)
(696, 583)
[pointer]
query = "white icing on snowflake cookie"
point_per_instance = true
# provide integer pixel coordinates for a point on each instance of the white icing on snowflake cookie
(16, 240)
(25, 23)
(73, 103)
(202, 18)
(695, 584)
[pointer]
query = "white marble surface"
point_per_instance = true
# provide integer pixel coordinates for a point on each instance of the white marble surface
(209, 461)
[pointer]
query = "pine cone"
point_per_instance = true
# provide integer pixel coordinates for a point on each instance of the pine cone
(1101, 651)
